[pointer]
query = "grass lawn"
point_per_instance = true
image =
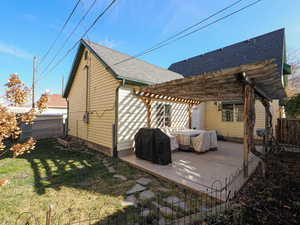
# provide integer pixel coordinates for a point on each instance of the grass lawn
(64, 180)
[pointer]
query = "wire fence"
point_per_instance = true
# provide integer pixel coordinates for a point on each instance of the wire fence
(184, 207)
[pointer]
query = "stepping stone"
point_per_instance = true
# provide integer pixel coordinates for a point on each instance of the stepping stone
(173, 200)
(111, 169)
(129, 201)
(162, 221)
(135, 189)
(163, 189)
(146, 195)
(145, 212)
(21, 176)
(143, 181)
(164, 209)
(121, 177)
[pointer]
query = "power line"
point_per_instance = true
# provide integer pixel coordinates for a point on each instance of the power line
(60, 32)
(75, 44)
(70, 35)
(170, 40)
(186, 29)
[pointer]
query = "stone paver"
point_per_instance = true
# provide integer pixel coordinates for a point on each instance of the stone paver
(111, 169)
(143, 181)
(163, 209)
(121, 177)
(135, 189)
(146, 212)
(162, 221)
(163, 189)
(173, 200)
(146, 195)
(129, 201)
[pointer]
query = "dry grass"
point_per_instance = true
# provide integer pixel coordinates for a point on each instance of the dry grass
(64, 180)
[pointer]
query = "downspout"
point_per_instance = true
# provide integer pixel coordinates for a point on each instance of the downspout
(115, 126)
(66, 133)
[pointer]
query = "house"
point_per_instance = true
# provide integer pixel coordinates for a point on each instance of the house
(105, 111)
(227, 117)
(56, 105)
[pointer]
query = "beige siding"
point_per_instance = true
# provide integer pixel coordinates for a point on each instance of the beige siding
(213, 120)
(101, 103)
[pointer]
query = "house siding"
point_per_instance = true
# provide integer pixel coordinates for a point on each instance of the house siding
(213, 120)
(132, 115)
(101, 102)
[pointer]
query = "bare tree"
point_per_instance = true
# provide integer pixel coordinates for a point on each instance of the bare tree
(293, 59)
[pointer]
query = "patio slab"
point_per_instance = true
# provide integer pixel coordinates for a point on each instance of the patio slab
(197, 171)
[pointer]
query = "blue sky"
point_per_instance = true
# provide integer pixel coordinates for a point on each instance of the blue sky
(29, 27)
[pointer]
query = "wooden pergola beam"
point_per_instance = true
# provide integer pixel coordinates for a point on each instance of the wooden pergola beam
(243, 78)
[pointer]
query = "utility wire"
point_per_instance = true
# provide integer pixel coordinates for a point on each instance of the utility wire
(75, 44)
(60, 32)
(70, 35)
(171, 39)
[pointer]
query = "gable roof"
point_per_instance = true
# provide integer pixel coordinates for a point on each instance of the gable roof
(134, 70)
(267, 46)
(56, 101)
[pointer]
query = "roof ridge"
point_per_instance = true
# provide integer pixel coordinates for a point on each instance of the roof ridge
(128, 56)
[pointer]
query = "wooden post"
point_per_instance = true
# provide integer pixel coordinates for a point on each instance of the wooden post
(190, 108)
(249, 122)
(268, 123)
(49, 215)
(147, 102)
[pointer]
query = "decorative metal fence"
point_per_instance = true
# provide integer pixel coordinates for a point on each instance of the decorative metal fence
(185, 207)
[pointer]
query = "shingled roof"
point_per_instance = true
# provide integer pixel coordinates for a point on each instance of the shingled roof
(135, 70)
(267, 46)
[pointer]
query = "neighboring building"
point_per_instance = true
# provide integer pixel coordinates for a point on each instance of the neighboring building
(226, 117)
(57, 105)
(105, 113)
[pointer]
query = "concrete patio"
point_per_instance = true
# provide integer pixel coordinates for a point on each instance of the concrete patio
(198, 171)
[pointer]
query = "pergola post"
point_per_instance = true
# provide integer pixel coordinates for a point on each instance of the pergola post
(147, 102)
(249, 123)
(268, 123)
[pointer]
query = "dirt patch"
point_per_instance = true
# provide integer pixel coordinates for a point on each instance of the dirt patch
(272, 200)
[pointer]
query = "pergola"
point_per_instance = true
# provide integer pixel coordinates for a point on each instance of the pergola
(246, 83)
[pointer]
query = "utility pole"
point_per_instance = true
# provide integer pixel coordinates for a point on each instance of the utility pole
(33, 81)
(62, 86)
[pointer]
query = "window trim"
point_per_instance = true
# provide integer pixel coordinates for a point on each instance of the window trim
(234, 116)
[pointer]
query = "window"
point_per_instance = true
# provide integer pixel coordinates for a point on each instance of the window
(227, 113)
(162, 115)
(232, 112)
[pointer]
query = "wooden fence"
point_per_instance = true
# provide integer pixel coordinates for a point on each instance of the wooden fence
(45, 126)
(288, 131)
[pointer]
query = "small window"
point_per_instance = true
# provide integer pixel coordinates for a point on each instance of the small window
(163, 115)
(86, 55)
(227, 113)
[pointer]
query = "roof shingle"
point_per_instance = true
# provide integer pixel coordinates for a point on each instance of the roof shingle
(133, 69)
(267, 46)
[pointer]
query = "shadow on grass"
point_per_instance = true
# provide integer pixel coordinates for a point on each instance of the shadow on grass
(54, 168)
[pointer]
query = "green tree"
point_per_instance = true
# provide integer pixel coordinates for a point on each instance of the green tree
(292, 105)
